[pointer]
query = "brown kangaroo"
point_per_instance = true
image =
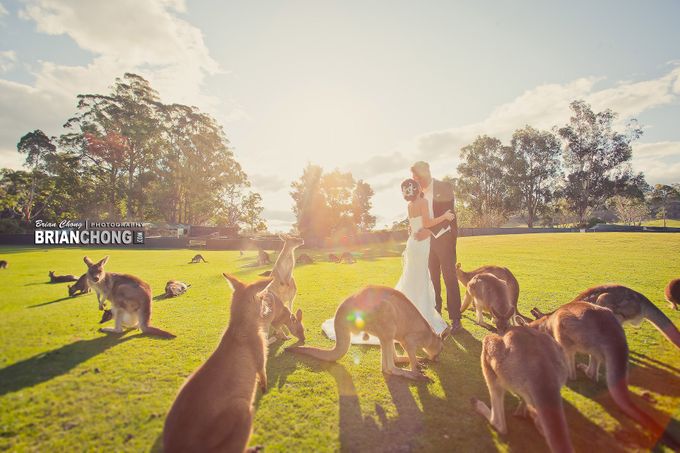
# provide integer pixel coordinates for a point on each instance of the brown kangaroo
(491, 295)
(213, 410)
(582, 327)
(174, 288)
(631, 306)
(3, 264)
(389, 315)
(501, 272)
(130, 298)
(673, 293)
(197, 259)
(333, 258)
(62, 278)
(81, 286)
(532, 365)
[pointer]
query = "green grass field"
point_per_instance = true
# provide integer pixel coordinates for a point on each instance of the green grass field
(64, 386)
(673, 223)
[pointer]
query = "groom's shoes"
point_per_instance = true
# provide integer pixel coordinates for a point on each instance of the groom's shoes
(456, 326)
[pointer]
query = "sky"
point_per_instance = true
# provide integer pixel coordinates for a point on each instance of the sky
(366, 87)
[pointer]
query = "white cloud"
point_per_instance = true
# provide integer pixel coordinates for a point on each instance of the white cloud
(147, 38)
(7, 60)
(3, 10)
(656, 150)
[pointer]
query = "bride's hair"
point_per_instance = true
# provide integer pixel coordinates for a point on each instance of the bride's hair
(410, 189)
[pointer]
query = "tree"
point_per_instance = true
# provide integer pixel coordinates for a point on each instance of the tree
(659, 197)
(38, 148)
(309, 204)
(251, 213)
(361, 206)
(629, 210)
(482, 179)
(596, 158)
(330, 204)
(123, 127)
(532, 162)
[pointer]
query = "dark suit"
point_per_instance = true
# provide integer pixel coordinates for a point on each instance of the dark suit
(443, 250)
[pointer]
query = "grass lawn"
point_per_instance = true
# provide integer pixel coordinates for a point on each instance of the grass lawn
(64, 386)
(673, 223)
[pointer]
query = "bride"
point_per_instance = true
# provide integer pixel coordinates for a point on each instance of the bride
(415, 282)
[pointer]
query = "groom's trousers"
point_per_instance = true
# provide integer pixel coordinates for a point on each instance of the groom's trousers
(443, 262)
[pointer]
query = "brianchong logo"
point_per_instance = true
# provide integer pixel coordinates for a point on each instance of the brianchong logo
(68, 232)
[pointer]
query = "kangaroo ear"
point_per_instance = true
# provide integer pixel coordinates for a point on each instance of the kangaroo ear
(519, 320)
(298, 315)
(234, 282)
(104, 260)
(457, 265)
(88, 261)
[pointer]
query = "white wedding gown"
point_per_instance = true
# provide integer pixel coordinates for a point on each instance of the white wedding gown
(415, 284)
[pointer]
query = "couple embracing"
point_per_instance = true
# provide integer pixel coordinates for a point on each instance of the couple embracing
(431, 248)
(430, 253)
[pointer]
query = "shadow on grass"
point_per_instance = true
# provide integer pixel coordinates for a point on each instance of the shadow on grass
(644, 375)
(48, 365)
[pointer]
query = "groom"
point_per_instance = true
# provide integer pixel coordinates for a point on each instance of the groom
(439, 195)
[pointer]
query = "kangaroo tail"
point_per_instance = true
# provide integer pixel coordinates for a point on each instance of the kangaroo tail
(617, 381)
(654, 315)
(145, 319)
(149, 330)
(554, 425)
(343, 336)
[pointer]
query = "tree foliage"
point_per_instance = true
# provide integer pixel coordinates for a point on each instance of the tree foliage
(330, 204)
(596, 158)
(127, 155)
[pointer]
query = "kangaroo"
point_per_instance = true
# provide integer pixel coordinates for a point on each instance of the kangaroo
(532, 365)
(491, 295)
(81, 286)
(673, 293)
(3, 264)
(347, 258)
(62, 278)
(213, 410)
(631, 306)
(582, 327)
(305, 259)
(263, 258)
(130, 298)
(283, 317)
(197, 259)
(333, 258)
(174, 288)
(389, 315)
(501, 272)
(283, 283)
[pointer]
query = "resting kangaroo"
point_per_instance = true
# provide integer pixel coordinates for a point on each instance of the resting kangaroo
(631, 306)
(213, 410)
(501, 272)
(130, 298)
(174, 288)
(389, 315)
(62, 278)
(673, 293)
(532, 365)
(490, 294)
(197, 259)
(80, 286)
(581, 327)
